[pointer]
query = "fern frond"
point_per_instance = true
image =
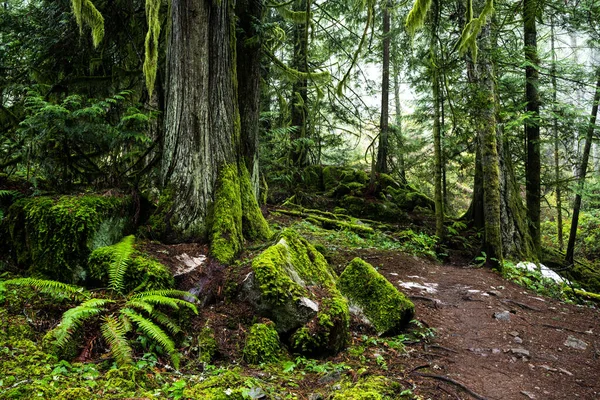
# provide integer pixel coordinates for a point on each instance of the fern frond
(140, 305)
(171, 302)
(118, 268)
(155, 332)
(73, 319)
(8, 193)
(166, 321)
(55, 289)
(114, 331)
(165, 293)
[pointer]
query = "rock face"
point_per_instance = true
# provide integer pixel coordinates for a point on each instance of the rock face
(387, 309)
(292, 285)
(53, 237)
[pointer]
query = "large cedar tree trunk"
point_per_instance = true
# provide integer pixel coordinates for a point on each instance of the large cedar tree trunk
(299, 101)
(205, 181)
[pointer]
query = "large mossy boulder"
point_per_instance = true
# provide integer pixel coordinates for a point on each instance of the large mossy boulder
(387, 309)
(53, 236)
(292, 285)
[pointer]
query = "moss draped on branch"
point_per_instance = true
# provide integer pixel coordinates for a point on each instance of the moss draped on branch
(86, 13)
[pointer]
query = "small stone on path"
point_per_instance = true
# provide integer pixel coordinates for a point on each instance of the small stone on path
(575, 343)
(520, 351)
(528, 394)
(502, 316)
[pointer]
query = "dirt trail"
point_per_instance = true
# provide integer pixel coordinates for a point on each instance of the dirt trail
(522, 353)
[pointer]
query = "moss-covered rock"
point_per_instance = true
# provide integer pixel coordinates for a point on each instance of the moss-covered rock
(379, 210)
(53, 237)
(143, 272)
(371, 388)
(262, 344)
(207, 345)
(335, 176)
(293, 285)
(386, 308)
(408, 198)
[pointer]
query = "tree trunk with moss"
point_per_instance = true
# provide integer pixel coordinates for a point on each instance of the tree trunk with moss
(381, 166)
(532, 127)
(249, 55)
(206, 187)
(299, 100)
(485, 125)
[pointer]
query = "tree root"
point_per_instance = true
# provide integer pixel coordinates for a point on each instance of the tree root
(452, 381)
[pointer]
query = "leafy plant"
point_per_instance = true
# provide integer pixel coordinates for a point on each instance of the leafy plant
(116, 311)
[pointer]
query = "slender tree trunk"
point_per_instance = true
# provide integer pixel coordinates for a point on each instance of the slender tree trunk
(559, 217)
(381, 165)
(582, 172)
(437, 142)
(249, 54)
(399, 132)
(532, 128)
(299, 109)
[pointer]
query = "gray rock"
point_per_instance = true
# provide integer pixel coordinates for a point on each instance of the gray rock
(564, 371)
(518, 340)
(315, 396)
(575, 343)
(257, 393)
(502, 316)
(519, 351)
(528, 394)
(331, 377)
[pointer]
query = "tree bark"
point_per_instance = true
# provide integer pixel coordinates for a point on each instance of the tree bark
(206, 186)
(532, 128)
(437, 141)
(399, 132)
(381, 166)
(249, 55)
(582, 172)
(299, 101)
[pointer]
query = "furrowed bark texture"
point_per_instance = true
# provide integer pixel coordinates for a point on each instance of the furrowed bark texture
(249, 55)
(202, 121)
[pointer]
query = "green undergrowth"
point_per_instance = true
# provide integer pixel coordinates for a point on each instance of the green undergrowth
(534, 280)
(407, 241)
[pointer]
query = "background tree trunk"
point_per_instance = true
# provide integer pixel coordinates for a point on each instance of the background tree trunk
(299, 101)
(582, 172)
(532, 127)
(381, 166)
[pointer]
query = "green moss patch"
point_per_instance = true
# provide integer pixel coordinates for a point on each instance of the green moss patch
(262, 344)
(143, 272)
(53, 237)
(387, 309)
(371, 388)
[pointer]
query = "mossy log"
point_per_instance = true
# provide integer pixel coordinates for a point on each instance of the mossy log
(386, 308)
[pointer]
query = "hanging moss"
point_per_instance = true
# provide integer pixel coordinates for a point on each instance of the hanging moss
(86, 13)
(143, 272)
(388, 310)
(54, 236)
(262, 344)
(226, 233)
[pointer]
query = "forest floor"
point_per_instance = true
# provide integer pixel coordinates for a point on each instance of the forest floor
(481, 336)
(534, 349)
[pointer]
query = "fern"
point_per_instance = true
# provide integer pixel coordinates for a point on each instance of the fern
(57, 290)
(114, 331)
(155, 333)
(118, 268)
(73, 319)
(141, 305)
(166, 321)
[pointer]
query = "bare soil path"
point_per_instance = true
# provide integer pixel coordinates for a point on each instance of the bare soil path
(496, 338)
